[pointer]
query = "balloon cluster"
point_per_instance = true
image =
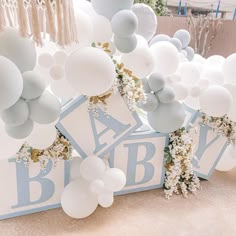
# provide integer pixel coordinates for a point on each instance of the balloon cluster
(25, 105)
(94, 183)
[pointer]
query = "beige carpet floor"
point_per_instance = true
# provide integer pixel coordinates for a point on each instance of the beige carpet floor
(210, 213)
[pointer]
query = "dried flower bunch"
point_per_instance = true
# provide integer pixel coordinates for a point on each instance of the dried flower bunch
(180, 177)
(221, 125)
(60, 150)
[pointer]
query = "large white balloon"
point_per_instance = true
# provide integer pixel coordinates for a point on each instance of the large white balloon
(77, 201)
(19, 50)
(42, 137)
(215, 61)
(229, 69)
(147, 20)
(166, 57)
(90, 71)
(140, 61)
(214, 75)
(109, 8)
(92, 168)
(216, 101)
(11, 83)
(181, 91)
(9, 146)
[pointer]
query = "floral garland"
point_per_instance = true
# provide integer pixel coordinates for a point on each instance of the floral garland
(221, 125)
(60, 150)
(180, 177)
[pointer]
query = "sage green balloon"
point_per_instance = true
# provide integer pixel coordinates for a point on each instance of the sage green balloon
(167, 118)
(151, 103)
(177, 43)
(146, 86)
(184, 36)
(166, 95)
(156, 82)
(125, 44)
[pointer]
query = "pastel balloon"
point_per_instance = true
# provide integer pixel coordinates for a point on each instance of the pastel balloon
(21, 51)
(96, 186)
(92, 168)
(16, 114)
(21, 131)
(114, 179)
(106, 199)
(57, 72)
(125, 44)
(150, 104)
(231, 88)
(166, 95)
(181, 92)
(140, 61)
(159, 38)
(193, 102)
(167, 118)
(189, 73)
(90, 71)
(59, 57)
(147, 20)
(166, 57)
(124, 23)
(77, 201)
(215, 61)
(214, 75)
(74, 168)
(45, 60)
(229, 69)
(9, 146)
(156, 82)
(42, 136)
(109, 8)
(45, 109)
(34, 85)
(11, 83)
(146, 86)
(183, 36)
(203, 83)
(216, 101)
(195, 91)
(190, 53)
(177, 43)
(232, 112)
(142, 42)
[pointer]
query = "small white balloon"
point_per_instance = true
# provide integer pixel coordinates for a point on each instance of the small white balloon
(11, 83)
(34, 85)
(232, 112)
(214, 75)
(42, 136)
(75, 168)
(57, 72)
(181, 91)
(92, 168)
(193, 102)
(96, 186)
(203, 83)
(59, 57)
(189, 73)
(229, 69)
(216, 101)
(77, 201)
(114, 179)
(231, 88)
(106, 199)
(195, 91)
(45, 60)
(215, 61)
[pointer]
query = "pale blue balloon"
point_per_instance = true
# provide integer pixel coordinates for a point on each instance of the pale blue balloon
(124, 23)
(156, 82)
(45, 109)
(151, 103)
(177, 43)
(146, 86)
(166, 95)
(125, 44)
(167, 118)
(34, 85)
(184, 36)
(190, 53)
(21, 131)
(159, 38)
(17, 114)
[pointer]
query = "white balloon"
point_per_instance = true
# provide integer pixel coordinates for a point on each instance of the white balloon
(114, 179)
(77, 201)
(84, 28)
(9, 146)
(140, 61)
(57, 72)
(199, 59)
(45, 109)
(92, 168)
(147, 20)
(125, 44)
(195, 91)
(189, 73)
(106, 199)
(63, 89)
(229, 69)
(11, 83)
(193, 102)
(85, 6)
(90, 71)
(33, 85)
(21, 51)
(17, 114)
(232, 112)
(215, 61)
(142, 42)
(231, 88)
(181, 92)
(159, 38)
(74, 168)
(214, 75)
(42, 137)
(59, 57)
(216, 101)
(203, 83)
(45, 60)
(101, 22)
(96, 186)
(166, 57)
(227, 161)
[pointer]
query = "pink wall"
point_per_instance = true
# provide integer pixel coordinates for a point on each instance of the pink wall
(224, 44)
